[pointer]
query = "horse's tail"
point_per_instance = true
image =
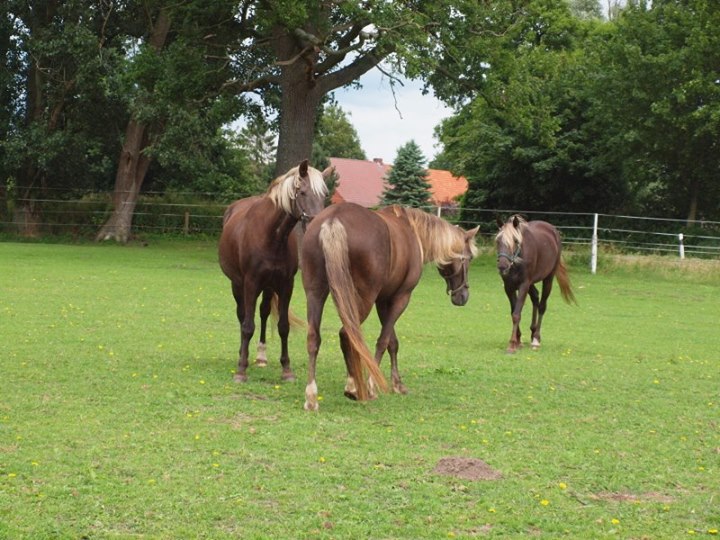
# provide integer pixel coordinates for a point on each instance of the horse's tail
(561, 274)
(333, 239)
(295, 321)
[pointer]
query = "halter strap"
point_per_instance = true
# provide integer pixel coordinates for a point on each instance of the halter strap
(464, 284)
(512, 258)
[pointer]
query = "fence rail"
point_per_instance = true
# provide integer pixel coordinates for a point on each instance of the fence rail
(193, 216)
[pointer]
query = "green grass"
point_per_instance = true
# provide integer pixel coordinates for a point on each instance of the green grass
(119, 417)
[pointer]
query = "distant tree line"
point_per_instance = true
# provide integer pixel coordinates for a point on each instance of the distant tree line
(559, 104)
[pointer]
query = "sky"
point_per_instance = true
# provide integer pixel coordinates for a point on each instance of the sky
(385, 122)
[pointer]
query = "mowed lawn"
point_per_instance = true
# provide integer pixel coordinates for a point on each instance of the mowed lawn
(119, 417)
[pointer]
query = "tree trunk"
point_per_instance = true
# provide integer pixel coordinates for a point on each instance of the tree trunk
(133, 164)
(300, 98)
(132, 167)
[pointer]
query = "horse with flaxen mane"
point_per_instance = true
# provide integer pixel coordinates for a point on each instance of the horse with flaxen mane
(529, 252)
(363, 257)
(258, 252)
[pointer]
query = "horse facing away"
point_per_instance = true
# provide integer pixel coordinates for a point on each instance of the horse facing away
(363, 257)
(258, 252)
(529, 252)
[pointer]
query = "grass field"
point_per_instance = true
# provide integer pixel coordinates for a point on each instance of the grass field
(119, 417)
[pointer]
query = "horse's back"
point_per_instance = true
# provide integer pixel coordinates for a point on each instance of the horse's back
(542, 240)
(366, 242)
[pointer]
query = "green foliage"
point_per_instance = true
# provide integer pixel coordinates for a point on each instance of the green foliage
(119, 417)
(407, 180)
(335, 135)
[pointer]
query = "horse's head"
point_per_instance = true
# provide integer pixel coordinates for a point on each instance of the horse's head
(310, 190)
(455, 272)
(508, 244)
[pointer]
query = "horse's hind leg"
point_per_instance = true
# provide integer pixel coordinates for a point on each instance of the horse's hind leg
(534, 334)
(261, 357)
(315, 305)
(542, 306)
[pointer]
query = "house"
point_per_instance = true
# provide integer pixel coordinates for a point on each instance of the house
(363, 183)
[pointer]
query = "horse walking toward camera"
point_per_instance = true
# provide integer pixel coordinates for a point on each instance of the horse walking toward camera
(258, 252)
(363, 257)
(529, 252)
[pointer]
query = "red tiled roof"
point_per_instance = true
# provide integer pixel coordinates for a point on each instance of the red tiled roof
(444, 187)
(362, 182)
(359, 181)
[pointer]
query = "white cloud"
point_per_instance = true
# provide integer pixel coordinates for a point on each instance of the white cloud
(385, 122)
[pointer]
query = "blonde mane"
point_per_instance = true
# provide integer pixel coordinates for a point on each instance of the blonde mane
(511, 235)
(283, 190)
(441, 242)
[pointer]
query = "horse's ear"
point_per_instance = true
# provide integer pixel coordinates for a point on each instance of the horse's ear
(327, 173)
(303, 167)
(516, 221)
(469, 235)
(499, 222)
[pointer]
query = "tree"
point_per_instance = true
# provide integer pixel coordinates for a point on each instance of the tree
(522, 137)
(258, 141)
(407, 180)
(173, 82)
(57, 99)
(336, 135)
(657, 99)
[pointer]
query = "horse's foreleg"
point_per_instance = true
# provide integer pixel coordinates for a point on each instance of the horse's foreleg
(284, 331)
(517, 303)
(246, 299)
(534, 334)
(314, 315)
(350, 391)
(261, 357)
(389, 313)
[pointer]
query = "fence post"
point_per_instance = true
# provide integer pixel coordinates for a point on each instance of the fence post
(186, 224)
(593, 249)
(682, 246)
(439, 211)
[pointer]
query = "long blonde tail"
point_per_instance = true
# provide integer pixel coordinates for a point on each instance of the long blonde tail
(295, 321)
(333, 239)
(563, 280)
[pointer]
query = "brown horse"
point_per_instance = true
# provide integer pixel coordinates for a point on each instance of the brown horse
(362, 258)
(258, 252)
(529, 252)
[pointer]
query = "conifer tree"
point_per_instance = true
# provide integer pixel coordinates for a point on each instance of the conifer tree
(407, 181)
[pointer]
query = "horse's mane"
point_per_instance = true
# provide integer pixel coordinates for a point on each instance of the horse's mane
(283, 189)
(511, 235)
(441, 241)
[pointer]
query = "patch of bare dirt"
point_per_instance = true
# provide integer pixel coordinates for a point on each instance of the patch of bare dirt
(466, 468)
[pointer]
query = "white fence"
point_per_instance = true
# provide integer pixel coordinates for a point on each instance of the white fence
(619, 232)
(635, 234)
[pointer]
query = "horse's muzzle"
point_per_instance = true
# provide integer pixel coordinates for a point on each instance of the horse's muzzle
(460, 298)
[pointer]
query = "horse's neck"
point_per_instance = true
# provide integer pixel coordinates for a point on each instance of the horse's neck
(280, 223)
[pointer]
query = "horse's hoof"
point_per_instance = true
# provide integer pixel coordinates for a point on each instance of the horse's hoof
(400, 389)
(350, 395)
(511, 350)
(288, 376)
(311, 406)
(261, 362)
(240, 378)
